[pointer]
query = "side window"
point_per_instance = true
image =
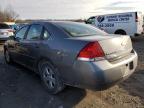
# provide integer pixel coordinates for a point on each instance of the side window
(34, 32)
(91, 20)
(45, 34)
(21, 33)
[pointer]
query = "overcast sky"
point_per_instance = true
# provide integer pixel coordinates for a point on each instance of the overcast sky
(70, 9)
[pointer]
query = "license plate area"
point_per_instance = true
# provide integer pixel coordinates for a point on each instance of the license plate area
(131, 65)
(128, 67)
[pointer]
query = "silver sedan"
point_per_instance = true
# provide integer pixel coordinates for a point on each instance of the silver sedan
(70, 53)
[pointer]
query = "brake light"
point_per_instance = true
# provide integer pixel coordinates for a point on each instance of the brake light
(90, 51)
(3, 33)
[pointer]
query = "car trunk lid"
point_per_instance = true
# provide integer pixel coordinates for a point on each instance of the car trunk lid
(114, 46)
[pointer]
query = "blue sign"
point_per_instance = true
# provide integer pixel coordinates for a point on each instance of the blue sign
(100, 19)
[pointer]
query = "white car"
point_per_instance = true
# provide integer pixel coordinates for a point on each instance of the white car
(5, 32)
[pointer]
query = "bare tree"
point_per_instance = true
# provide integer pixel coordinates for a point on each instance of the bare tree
(8, 14)
(1, 15)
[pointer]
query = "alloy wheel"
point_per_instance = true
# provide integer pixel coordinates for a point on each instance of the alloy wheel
(48, 77)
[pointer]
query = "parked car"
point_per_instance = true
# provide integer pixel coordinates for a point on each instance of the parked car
(127, 23)
(70, 53)
(5, 31)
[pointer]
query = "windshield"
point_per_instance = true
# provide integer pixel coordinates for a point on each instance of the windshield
(80, 29)
(4, 26)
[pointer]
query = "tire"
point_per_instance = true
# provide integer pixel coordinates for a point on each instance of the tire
(7, 57)
(120, 32)
(50, 77)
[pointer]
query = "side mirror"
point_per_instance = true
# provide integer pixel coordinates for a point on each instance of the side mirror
(12, 37)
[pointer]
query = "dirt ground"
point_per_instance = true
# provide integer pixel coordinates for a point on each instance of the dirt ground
(21, 88)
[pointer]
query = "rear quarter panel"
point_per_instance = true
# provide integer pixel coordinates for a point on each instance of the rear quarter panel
(64, 54)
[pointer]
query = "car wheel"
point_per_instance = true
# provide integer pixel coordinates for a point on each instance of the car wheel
(7, 57)
(50, 77)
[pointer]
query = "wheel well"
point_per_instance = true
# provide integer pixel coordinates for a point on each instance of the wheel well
(41, 59)
(120, 31)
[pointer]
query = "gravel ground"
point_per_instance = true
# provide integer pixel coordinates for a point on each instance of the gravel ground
(21, 88)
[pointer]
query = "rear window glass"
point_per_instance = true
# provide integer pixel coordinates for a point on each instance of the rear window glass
(4, 26)
(80, 30)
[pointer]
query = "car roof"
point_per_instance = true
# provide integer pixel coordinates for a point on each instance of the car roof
(52, 22)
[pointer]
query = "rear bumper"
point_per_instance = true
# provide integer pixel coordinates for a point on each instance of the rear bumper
(107, 85)
(103, 74)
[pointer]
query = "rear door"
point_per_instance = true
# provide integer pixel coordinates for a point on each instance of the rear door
(32, 44)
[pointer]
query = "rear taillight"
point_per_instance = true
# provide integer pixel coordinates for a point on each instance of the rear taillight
(3, 33)
(91, 51)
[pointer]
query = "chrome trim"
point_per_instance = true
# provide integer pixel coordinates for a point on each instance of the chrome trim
(93, 59)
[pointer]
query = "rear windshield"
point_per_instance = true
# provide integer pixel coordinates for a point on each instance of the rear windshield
(4, 26)
(80, 29)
